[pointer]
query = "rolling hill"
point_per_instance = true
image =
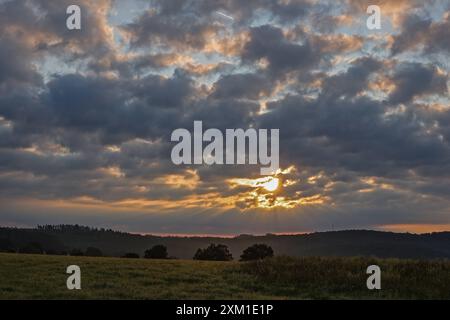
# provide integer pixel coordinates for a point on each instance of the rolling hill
(337, 243)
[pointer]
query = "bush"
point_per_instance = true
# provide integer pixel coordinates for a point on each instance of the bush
(93, 252)
(76, 253)
(214, 252)
(257, 252)
(157, 252)
(131, 255)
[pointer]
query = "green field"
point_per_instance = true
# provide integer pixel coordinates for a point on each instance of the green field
(43, 277)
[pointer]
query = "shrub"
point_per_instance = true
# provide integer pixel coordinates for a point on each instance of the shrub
(214, 252)
(257, 252)
(157, 252)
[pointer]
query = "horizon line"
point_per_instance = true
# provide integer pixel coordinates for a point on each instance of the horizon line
(231, 236)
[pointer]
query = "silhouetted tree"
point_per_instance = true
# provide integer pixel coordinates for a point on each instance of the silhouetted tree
(157, 252)
(76, 253)
(93, 252)
(214, 252)
(32, 248)
(257, 252)
(131, 255)
(75, 229)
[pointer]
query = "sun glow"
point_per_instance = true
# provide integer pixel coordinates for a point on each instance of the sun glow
(269, 183)
(272, 184)
(272, 192)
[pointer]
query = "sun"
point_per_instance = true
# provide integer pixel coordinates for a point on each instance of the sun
(272, 184)
(269, 183)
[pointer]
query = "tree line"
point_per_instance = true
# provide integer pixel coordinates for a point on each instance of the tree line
(214, 252)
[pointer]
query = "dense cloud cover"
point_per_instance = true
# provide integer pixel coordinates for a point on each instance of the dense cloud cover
(86, 115)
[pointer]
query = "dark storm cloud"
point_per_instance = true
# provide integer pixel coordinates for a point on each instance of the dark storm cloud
(47, 20)
(270, 43)
(15, 63)
(421, 30)
(17, 160)
(120, 110)
(355, 133)
(186, 31)
(165, 92)
(223, 113)
(28, 117)
(250, 86)
(353, 81)
(414, 79)
(191, 24)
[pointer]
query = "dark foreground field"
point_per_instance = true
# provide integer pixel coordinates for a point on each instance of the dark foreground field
(43, 277)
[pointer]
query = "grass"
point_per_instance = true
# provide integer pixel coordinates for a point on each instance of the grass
(345, 278)
(43, 277)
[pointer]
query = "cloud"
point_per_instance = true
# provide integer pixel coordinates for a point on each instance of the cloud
(181, 31)
(42, 25)
(15, 64)
(251, 86)
(414, 79)
(268, 42)
(419, 31)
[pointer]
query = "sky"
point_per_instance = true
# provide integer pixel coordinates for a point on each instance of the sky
(86, 115)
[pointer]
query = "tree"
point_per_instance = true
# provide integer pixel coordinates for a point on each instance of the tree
(131, 255)
(214, 252)
(157, 252)
(257, 252)
(76, 253)
(93, 252)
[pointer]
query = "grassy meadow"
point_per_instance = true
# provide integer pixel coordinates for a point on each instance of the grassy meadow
(43, 277)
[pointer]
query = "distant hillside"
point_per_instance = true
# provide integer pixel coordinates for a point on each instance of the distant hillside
(338, 243)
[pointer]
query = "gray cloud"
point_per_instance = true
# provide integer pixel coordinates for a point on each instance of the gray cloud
(416, 79)
(269, 42)
(421, 30)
